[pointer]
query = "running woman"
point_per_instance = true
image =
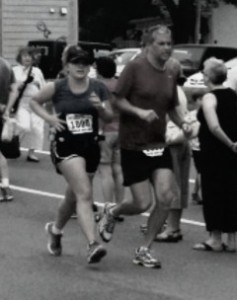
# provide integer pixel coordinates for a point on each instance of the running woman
(78, 102)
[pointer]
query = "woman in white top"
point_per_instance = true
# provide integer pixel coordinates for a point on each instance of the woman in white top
(180, 152)
(31, 126)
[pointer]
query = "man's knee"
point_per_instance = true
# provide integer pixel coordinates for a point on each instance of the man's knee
(166, 198)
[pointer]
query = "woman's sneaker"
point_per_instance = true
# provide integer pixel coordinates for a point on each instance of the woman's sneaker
(144, 258)
(95, 253)
(54, 240)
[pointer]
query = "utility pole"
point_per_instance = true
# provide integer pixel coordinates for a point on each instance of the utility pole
(198, 21)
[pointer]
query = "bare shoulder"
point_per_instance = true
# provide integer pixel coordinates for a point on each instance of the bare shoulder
(209, 100)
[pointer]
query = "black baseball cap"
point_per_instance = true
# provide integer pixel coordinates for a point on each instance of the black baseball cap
(76, 55)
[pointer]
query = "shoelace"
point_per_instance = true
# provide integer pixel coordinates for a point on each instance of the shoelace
(147, 255)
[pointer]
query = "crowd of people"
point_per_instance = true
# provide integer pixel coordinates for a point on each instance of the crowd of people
(137, 131)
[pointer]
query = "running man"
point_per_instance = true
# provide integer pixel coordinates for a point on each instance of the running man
(145, 94)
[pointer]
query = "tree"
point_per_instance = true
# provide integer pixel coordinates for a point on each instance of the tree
(103, 20)
(184, 16)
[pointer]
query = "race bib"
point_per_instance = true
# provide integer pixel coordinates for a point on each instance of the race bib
(79, 124)
(154, 152)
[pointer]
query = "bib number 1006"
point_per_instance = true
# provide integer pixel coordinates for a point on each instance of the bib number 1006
(79, 124)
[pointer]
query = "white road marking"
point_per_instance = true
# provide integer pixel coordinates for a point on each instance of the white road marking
(35, 192)
(36, 151)
(58, 196)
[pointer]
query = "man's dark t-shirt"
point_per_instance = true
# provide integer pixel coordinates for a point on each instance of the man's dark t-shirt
(148, 88)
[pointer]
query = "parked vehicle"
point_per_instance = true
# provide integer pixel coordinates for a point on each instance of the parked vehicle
(51, 51)
(123, 56)
(192, 56)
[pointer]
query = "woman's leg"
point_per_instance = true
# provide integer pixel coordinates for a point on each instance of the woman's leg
(79, 192)
(75, 174)
(36, 135)
(107, 181)
(118, 182)
(24, 122)
(6, 193)
(66, 208)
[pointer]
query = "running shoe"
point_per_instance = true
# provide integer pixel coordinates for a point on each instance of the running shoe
(107, 223)
(169, 237)
(95, 253)
(6, 194)
(54, 242)
(144, 258)
(97, 216)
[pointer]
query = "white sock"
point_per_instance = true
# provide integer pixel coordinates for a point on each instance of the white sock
(5, 182)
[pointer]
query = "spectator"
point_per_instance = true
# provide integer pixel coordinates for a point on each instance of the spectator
(29, 79)
(8, 90)
(110, 164)
(195, 145)
(218, 142)
(180, 153)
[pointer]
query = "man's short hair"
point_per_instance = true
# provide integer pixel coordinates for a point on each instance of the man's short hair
(149, 35)
(215, 70)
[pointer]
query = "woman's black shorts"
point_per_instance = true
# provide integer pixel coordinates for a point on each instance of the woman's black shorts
(64, 149)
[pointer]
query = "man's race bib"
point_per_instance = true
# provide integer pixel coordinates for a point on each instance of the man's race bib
(79, 124)
(154, 152)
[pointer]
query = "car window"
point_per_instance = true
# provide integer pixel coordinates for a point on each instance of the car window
(99, 53)
(188, 57)
(221, 53)
(122, 58)
(231, 63)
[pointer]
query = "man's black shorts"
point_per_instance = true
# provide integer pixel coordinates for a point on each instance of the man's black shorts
(138, 167)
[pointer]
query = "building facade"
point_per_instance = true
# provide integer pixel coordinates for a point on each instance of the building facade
(24, 20)
(223, 24)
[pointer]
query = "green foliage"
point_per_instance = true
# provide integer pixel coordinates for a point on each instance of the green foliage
(103, 20)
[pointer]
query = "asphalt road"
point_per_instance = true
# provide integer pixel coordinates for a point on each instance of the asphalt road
(28, 272)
